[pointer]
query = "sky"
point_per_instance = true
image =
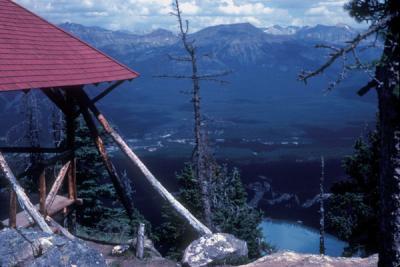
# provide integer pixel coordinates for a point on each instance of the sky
(147, 15)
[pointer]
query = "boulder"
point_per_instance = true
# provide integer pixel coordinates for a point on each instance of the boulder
(214, 249)
(25, 247)
(288, 258)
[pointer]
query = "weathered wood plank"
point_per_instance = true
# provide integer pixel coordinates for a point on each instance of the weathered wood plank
(42, 192)
(56, 186)
(59, 204)
(22, 197)
(72, 191)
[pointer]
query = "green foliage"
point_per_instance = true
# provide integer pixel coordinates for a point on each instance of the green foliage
(366, 10)
(231, 213)
(101, 216)
(352, 210)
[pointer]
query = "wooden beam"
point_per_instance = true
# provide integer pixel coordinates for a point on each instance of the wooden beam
(119, 186)
(45, 163)
(62, 230)
(56, 186)
(72, 191)
(185, 213)
(100, 96)
(46, 150)
(42, 192)
(22, 197)
(58, 99)
(59, 204)
(71, 128)
(12, 223)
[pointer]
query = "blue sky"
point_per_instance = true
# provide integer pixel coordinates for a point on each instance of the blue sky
(145, 15)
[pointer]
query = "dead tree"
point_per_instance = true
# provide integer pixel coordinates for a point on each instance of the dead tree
(322, 209)
(201, 157)
(384, 18)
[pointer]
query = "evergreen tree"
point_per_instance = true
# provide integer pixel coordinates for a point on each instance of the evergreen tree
(230, 212)
(101, 212)
(353, 208)
(383, 17)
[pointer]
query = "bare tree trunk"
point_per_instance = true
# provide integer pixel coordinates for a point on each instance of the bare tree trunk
(322, 210)
(22, 197)
(389, 119)
(200, 156)
(140, 242)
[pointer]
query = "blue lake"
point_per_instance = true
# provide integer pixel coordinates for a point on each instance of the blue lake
(297, 237)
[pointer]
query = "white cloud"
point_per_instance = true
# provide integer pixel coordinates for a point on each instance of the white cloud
(189, 8)
(232, 8)
(150, 14)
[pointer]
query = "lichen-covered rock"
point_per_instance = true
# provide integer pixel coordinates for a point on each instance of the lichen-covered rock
(214, 248)
(25, 247)
(286, 259)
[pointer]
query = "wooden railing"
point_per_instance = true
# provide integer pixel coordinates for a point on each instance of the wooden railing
(46, 200)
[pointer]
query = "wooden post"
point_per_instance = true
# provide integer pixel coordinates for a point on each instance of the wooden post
(72, 192)
(71, 128)
(13, 210)
(22, 197)
(185, 213)
(42, 192)
(140, 242)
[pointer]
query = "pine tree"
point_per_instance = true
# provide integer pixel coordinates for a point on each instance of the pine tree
(101, 212)
(353, 207)
(231, 213)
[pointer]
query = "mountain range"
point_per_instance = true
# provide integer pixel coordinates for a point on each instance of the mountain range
(263, 110)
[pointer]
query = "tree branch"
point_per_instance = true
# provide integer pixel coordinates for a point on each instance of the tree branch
(305, 75)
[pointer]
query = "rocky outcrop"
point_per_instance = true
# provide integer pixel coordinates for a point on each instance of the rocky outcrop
(214, 249)
(25, 247)
(291, 259)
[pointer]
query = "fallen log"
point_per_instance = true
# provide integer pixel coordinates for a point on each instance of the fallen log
(22, 197)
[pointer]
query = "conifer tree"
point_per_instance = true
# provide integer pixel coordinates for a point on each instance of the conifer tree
(383, 17)
(101, 212)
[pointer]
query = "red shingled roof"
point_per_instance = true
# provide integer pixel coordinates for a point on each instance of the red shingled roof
(36, 54)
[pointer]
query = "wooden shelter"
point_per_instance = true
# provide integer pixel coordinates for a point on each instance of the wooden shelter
(37, 55)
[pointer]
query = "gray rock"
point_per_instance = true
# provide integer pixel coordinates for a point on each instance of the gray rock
(25, 247)
(214, 248)
(288, 258)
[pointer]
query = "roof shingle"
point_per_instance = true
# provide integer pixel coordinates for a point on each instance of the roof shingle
(37, 54)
